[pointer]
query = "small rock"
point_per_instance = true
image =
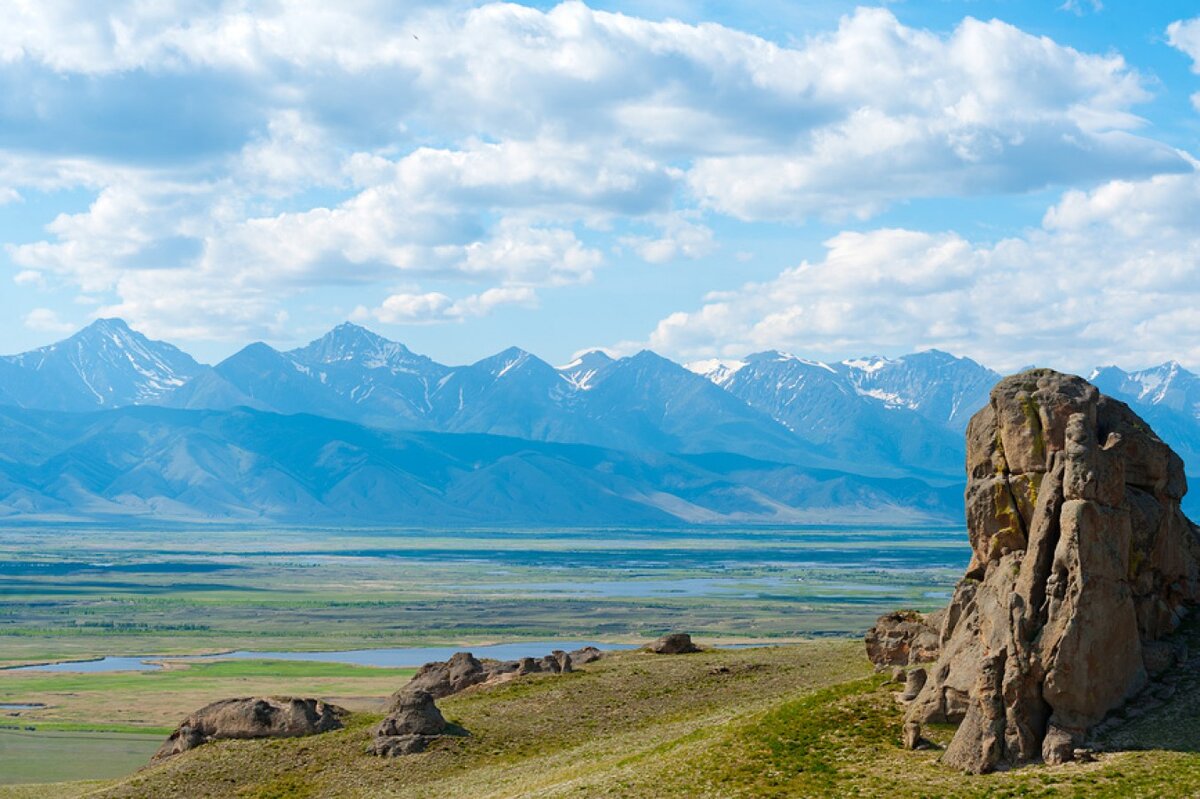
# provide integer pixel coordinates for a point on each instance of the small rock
(1084, 756)
(396, 745)
(674, 644)
(1058, 746)
(912, 735)
(563, 659)
(898, 675)
(913, 684)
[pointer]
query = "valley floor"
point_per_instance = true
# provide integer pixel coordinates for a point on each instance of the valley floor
(809, 719)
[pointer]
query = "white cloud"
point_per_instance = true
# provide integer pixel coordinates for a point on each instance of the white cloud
(679, 238)
(1112, 276)
(435, 307)
(1080, 7)
(1184, 36)
(371, 143)
(44, 320)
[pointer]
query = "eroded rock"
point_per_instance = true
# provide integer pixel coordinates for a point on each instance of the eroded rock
(903, 638)
(1080, 557)
(412, 723)
(252, 717)
(674, 644)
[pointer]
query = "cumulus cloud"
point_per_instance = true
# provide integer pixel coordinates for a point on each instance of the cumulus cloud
(1184, 35)
(44, 320)
(1111, 276)
(680, 238)
(433, 307)
(239, 159)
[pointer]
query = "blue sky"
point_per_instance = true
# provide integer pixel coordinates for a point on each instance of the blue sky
(1012, 181)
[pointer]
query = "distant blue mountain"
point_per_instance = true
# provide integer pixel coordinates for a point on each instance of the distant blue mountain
(105, 365)
(245, 465)
(777, 436)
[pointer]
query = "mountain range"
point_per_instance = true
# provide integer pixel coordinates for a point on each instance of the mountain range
(356, 428)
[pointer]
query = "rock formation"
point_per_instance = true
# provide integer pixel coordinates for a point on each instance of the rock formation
(674, 644)
(904, 638)
(442, 678)
(412, 723)
(261, 717)
(1082, 561)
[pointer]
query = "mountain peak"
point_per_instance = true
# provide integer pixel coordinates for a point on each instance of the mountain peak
(349, 342)
(581, 371)
(106, 364)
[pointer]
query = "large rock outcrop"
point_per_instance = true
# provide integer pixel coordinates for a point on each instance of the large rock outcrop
(1081, 560)
(254, 717)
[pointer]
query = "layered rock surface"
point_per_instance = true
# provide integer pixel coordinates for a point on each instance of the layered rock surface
(253, 717)
(1082, 560)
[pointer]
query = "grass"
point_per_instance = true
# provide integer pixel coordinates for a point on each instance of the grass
(122, 592)
(157, 700)
(809, 720)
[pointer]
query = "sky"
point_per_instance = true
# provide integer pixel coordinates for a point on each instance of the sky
(1008, 180)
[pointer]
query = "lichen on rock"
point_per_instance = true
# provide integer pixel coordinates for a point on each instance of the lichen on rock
(1081, 558)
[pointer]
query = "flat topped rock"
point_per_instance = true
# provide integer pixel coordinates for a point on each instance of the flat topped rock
(673, 644)
(253, 717)
(1081, 560)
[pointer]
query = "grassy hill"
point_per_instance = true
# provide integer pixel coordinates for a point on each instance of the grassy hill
(804, 720)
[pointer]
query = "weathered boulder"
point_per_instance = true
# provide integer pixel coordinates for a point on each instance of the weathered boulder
(904, 638)
(1080, 555)
(442, 678)
(413, 722)
(588, 654)
(673, 644)
(913, 683)
(254, 717)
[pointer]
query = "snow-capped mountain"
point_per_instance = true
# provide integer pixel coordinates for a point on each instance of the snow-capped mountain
(370, 428)
(581, 371)
(938, 386)
(871, 411)
(1167, 396)
(105, 365)
(1167, 386)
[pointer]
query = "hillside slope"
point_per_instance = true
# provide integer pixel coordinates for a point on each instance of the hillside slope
(800, 721)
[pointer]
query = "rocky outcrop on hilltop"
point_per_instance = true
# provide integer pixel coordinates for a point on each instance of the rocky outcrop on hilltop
(443, 678)
(413, 722)
(256, 717)
(1081, 563)
(674, 644)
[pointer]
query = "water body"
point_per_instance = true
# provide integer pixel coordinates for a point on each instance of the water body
(401, 657)
(686, 586)
(20, 706)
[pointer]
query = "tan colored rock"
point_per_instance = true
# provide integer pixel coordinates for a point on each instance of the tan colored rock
(413, 723)
(903, 638)
(1080, 557)
(252, 717)
(674, 644)
(914, 681)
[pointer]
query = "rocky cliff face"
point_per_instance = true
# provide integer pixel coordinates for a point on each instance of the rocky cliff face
(1082, 560)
